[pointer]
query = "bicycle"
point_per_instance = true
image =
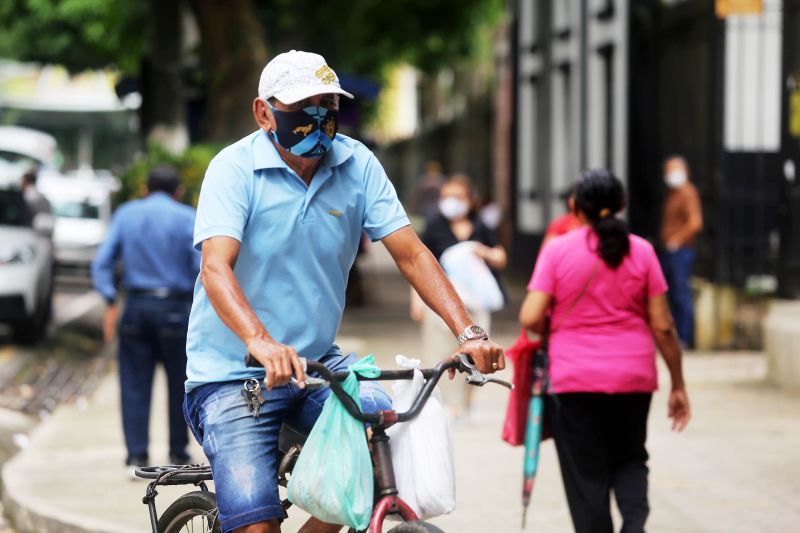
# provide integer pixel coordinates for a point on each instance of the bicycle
(201, 504)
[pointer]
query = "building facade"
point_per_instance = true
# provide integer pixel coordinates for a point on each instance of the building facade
(623, 84)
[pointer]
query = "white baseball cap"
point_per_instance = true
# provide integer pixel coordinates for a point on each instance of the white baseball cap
(293, 76)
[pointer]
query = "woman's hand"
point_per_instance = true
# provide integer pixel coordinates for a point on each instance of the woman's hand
(495, 257)
(678, 409)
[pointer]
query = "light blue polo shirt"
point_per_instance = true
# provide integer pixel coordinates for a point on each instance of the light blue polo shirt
(298, 243)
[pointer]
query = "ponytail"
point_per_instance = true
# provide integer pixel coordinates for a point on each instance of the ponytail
(614, 243)
(599, 196)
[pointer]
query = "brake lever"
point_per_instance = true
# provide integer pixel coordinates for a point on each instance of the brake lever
(475, 377)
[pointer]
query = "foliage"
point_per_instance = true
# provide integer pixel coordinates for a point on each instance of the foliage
(79, 34)
(358, 36)
(361, 37)
(191, 165)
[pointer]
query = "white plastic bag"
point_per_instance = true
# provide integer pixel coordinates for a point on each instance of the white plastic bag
(471, 277)
(422, 449)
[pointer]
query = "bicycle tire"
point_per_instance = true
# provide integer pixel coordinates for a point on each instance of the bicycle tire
(415, 527)
(198, 504)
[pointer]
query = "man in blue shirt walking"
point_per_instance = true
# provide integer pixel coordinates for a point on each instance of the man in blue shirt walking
(153, 238)
(279, 221)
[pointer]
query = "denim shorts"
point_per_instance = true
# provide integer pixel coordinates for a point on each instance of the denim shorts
(243, 450)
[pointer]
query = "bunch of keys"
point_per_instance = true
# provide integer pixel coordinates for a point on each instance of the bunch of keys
(251, 390)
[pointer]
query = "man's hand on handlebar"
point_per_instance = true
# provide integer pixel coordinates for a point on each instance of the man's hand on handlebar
(280, 361)
(487, 355)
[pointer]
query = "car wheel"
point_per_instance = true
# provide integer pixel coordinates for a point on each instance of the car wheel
(29, 331)
(33, 329)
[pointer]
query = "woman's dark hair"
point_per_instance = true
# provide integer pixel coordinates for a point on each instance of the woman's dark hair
(599, 196)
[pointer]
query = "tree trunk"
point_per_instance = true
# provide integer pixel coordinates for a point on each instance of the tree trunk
(163, 116)
(233, 53)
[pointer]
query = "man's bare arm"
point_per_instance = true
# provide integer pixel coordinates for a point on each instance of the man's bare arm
(423, 272)
(230, 303)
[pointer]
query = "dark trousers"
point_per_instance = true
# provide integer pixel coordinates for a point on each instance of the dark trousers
(677, 267)
(600, 439)
(152, 330)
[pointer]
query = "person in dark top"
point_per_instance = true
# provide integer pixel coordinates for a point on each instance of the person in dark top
(456, 222)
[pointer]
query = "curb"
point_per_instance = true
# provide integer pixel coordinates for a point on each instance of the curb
(28, 513)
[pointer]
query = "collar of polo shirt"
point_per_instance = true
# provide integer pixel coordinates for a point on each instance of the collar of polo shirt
(265, 155)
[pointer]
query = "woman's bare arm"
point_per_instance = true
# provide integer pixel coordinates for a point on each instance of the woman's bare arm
(666, 338)
(534, 310)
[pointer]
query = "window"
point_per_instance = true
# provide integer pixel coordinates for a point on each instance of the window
(753, 80)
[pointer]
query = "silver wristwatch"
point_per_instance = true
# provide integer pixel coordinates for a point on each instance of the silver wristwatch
(472, 333)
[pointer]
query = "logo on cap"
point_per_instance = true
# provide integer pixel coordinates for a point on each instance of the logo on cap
(326, 75)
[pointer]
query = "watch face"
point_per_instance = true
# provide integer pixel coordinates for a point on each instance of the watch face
(476, 330)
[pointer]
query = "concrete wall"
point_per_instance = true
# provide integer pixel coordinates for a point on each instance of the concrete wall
(782, 343)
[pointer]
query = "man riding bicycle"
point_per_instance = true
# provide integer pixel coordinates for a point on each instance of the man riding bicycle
(279, 221)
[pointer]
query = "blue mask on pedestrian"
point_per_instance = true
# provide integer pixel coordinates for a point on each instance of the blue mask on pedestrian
(308, 132)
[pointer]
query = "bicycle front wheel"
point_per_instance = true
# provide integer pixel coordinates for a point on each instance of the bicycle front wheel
(195, 511)
(415, 527)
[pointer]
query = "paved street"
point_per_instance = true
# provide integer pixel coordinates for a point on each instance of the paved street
(62, 367)
(734, 469)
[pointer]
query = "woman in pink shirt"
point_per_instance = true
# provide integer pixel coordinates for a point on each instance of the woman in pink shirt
(606, 296)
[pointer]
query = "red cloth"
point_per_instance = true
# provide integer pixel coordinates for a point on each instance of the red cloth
(563, 225)
(521, 354)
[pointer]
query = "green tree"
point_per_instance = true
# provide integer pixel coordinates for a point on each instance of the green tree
(362, 36)
(79, 34)
(358, 37)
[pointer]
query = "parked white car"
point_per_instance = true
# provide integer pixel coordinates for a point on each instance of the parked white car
(82, 209)
(26, 265)
(24, 148)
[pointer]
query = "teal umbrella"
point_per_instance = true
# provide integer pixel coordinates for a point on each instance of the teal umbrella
(533, 431)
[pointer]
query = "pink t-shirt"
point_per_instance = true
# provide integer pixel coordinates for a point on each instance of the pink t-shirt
(604, 343)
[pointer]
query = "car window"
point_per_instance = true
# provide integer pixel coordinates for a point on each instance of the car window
(15, 165)
(13, 208)
(74, 208)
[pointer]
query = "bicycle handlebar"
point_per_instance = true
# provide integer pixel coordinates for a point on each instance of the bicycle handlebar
(461, 363)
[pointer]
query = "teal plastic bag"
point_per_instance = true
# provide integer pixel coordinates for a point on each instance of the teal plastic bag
(332, 479)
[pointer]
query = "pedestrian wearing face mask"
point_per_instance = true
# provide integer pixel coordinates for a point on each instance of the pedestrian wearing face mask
(681, 221)
(456, 222)
(279, 222)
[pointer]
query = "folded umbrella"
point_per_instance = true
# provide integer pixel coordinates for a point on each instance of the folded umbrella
(533, 431)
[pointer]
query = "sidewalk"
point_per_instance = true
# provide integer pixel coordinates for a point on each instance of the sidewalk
(734, 469)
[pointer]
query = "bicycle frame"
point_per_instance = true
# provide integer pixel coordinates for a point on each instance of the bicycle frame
(387, 501)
